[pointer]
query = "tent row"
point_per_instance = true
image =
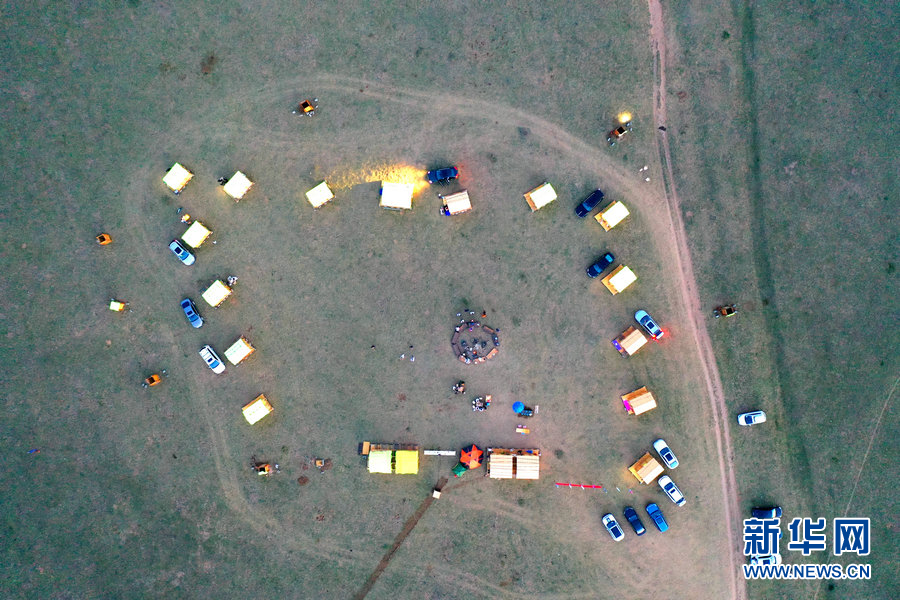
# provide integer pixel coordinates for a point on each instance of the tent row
(178, 176)
(500, 463)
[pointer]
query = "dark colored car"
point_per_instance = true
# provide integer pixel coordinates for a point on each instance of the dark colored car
(658, 519)
(635, 521)
(190, 311)
(589, 203)
(766, 513)
(445, 175)
(601, 265)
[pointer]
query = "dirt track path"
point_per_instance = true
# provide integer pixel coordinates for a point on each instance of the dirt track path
(691, 299)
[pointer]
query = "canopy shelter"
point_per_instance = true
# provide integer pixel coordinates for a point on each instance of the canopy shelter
(540, 196)
(619, 279)
(612, 215)
(646, 469)
(513, 463)
(401, 459)
(396, 196)
(239, 350)
(196, 234)
(319, 195)
(177, 177)
(216, 293)
(380, 461)
(238, 185)
(257, 409)
(629, 342)
(639, 401)
(406, 462)
(470, 456)
(456, 204)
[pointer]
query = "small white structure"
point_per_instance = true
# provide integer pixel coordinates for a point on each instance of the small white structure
(196, 234)
(620, 278)
(456, 204)
(216, 293)
(396, 196)
(612, 215)
(239, 350)
(177, 177)
(319, 195)
(540, 196)
(238, 185)
(257, 409)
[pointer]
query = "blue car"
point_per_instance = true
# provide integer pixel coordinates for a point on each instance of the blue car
(445, 175)
(190, 311)
(583, 209)
(601, 265)
(635, 520)
(657, 516)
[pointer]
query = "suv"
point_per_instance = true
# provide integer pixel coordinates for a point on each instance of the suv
(766, 513)
(212, 359)
(658, 519)
(601, 265)
(589, 203)
(190, 311)
(751, 418)
(445, 175)
(665, 453)
(612, 526)
(671, 490)
(649, 325)
(635, 521)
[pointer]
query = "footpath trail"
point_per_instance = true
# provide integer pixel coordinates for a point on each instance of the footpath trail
(693, 308)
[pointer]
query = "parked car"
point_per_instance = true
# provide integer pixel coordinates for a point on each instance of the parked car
(771, 559)
(658, 519)
(766, 513)
(445, 175)
(649, 325)
(751, 418)
(212, 359)
(601, 265)
(589, 203)
(190, 311)
(612, 526)
(662, 448)
(671, 490)
(635, 521)
(181, 252)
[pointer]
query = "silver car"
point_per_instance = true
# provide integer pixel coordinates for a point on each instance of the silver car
(671, 490)
(212, 359)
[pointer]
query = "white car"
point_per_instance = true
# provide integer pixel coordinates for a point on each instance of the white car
(772, 559)
(212, 359)
(612, 526)
(751, 418)
(671, 490)
(662, 448)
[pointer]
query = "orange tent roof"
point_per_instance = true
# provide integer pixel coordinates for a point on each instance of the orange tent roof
(471, 456)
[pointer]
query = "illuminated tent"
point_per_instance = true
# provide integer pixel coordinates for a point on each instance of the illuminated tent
(630, 341)
(457, 203)
(257, 409)
(196, 234)
(612, 215)
(406, 462)
(319, 195)
(117, 306)
(619, 279)
(639, 401)
(540, 196)
(646, 469)
(396, 196)
(513, 463)
(380, 461)
(238, 185)
(177, 177)
(239, 350)
(216, 293)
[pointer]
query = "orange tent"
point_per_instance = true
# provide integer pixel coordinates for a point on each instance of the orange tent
(471, 456)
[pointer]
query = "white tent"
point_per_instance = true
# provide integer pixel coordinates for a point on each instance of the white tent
(239, 350)
(238, 185)
(257, 409)
(319, 195)
(619, 279)
(612, 215)
(177, 177)
(196, 234)
(540, 196)
(216, 293)
(396, 196)
(458, 203)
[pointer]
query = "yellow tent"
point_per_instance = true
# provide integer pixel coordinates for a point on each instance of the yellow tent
(117, 306)
(630, 341)
(639, 401)
(238, 185)
(196, 234)
(646, 469)
(319, 195)
(457, 203)
(406, 462)
(216, 293)
(257, 409)
(612, 215)
(620, 278)
(540, 196)
(380, 461)
(396, 196)
(177, 177)
(239, 350)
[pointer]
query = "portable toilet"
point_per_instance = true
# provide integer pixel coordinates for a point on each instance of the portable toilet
(177, 177)
(319, 195)
(258, 408)
(629, 342)
(396, 196)
(456, 204)
(216, 293)
(619, 279)
(639, 401)
(239, 350)
(196, 234)
(540, 196)
(646, 469)
(238, 185)
(612, 215)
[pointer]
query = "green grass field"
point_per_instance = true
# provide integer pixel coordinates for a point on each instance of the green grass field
(147, 493)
